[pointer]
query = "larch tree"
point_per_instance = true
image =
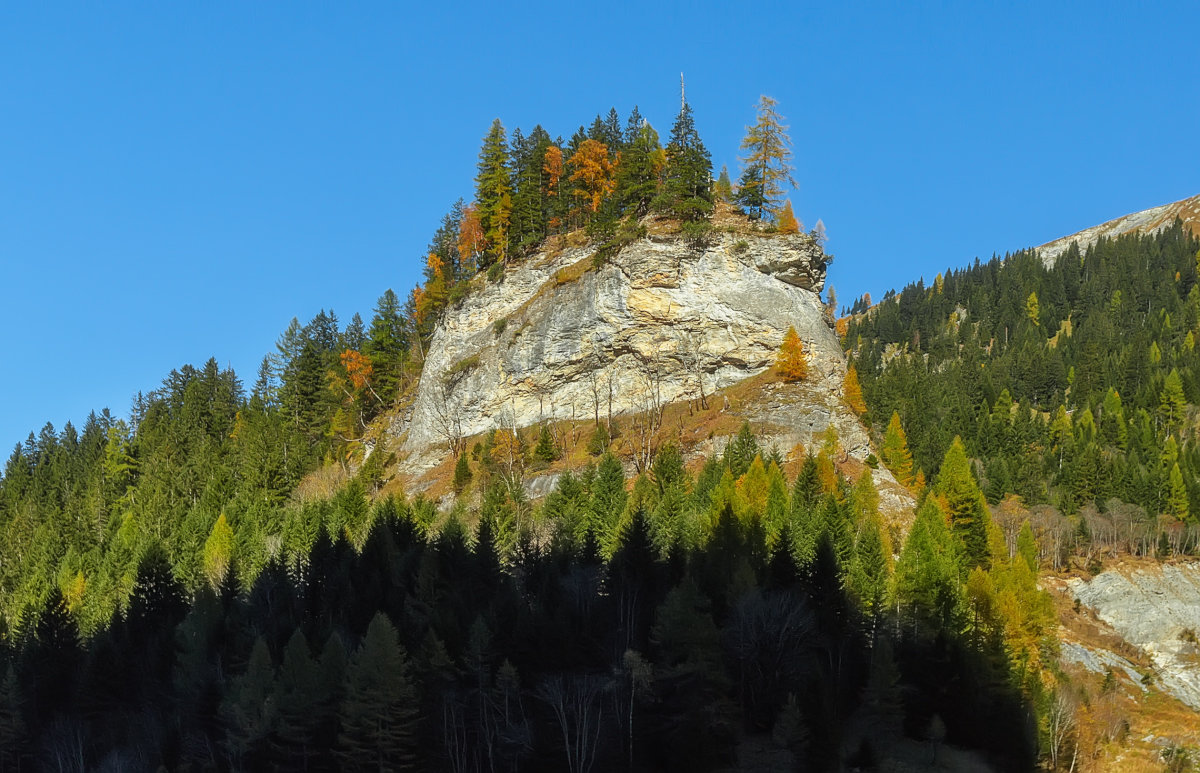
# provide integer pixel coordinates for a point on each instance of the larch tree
(895, 452)
(787, 223)
(767, 162)
(967, 510)
(792, 362)
(723, 188)
(594, 172)
(852, 391)
(493, 193)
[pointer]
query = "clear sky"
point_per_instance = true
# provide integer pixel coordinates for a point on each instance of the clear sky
(178, 180)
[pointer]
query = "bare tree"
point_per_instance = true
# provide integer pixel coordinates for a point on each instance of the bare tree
(447, 415)
(693, 359)
(576, 703)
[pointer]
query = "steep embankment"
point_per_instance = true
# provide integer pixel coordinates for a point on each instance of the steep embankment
(567, 336)
(1148, 221)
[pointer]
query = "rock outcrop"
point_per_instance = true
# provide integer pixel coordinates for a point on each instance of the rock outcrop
(566, 335)
(1155, 608)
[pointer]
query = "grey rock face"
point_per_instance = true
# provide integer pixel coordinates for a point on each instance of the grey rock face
(658, 322)
(1154, 608)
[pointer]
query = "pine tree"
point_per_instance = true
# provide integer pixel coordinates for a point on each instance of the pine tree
(768, 153)
(686, 191)
(379, 712)
(493, 193)
(792, 362)
(545, 450)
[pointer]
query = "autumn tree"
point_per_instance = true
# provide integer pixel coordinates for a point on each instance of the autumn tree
(852, 391)
(493, 193)
(767, 162)
(968, 514)
(723, 188)
(792, 362)
(594, 172)
(895, 452)
(471, 242)
(787, 223)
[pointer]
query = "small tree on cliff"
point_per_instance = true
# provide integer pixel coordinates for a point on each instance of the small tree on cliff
(793, 364)
(787, 222)
(853, 391)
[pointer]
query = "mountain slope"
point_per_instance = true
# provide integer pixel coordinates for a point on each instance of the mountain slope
(1147, 221)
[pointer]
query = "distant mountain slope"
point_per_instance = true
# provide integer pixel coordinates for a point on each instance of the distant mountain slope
(1147, 221)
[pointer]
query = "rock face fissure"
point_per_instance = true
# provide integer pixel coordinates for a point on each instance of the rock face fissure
(658, 322)
(1157, 609)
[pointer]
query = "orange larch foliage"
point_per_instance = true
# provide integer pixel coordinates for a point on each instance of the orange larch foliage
(595, 172)
(553, 167)
(792, 362)
(471, 243)
(787, 222)
(358, 368)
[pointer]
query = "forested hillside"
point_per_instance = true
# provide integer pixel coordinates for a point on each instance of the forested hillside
(1073, 385)
(232, 580)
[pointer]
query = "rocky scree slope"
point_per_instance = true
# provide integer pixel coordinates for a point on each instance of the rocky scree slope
(568, 336)
(1148, 221)
(1156, 608)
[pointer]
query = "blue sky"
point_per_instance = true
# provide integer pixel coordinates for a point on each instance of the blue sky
(178, 180)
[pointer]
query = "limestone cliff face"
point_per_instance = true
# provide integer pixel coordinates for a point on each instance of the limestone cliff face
(660, 321)
(1155, 608)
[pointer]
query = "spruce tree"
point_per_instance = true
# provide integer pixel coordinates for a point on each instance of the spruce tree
(379, 712)
(687, 176)
(637, 174)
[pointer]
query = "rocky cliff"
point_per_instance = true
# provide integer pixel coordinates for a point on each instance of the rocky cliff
(1156, 608)
(569, 335)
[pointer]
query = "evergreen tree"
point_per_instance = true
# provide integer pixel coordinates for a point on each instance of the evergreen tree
(379, 713)
(686, 191)
(638, 172)
(968, 514)
(493, 193)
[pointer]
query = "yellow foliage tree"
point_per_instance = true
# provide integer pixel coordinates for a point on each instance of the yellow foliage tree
(853, 391)
(792, 362)
(787, 222)
(595, 172)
